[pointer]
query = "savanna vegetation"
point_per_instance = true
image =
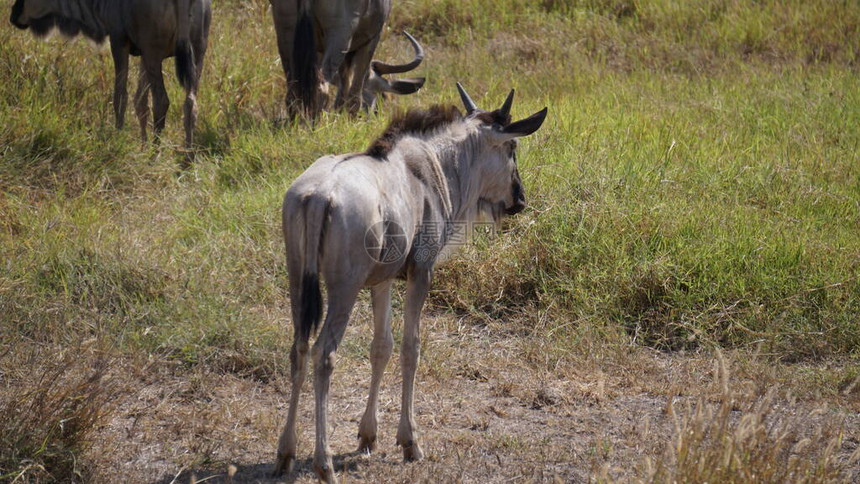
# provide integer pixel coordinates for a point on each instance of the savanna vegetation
(679, 303)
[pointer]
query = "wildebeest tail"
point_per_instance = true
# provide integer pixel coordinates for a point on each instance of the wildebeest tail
(185, 68)
(310, 305)
(310, 302)
(304, 69)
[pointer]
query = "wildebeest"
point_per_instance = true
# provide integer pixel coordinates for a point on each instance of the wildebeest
(362, 220)
(151, 29)
(345, 33)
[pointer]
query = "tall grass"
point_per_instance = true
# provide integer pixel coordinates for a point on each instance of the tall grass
(744, 440)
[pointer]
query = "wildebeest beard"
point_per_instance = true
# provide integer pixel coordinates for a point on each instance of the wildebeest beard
(69, 27)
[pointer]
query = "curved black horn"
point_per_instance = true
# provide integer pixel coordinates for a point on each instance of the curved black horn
(383, 68)
(467, 101)
(505, 110)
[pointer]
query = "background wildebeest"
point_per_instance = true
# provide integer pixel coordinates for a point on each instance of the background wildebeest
(151, 29)
(345, 217)
(345, 34)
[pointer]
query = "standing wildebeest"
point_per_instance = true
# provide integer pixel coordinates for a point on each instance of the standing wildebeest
(345, 33)
(363, 219)
(151, 29)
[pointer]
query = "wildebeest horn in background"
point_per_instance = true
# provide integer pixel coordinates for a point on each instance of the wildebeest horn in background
(377, 84)
(383, 68)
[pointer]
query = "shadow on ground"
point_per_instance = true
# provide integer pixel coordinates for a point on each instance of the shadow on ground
(260, 473)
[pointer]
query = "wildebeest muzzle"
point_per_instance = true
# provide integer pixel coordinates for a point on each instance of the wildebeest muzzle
(17, 10)
(519, 199)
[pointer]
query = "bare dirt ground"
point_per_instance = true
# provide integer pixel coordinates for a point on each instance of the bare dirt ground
(485, 414)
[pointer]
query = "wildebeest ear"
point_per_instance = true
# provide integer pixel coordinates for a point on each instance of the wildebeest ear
(525, 127)
(407, 86)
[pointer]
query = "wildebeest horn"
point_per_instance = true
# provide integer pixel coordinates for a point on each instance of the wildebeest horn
(505, 110)
(383, 68)
(467, 101)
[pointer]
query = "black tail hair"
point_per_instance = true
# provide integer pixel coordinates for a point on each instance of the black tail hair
(305, 62)
(185, 69)
(310, 305)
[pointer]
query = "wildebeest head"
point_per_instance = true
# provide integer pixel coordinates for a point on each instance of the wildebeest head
(41, 16)
(501, 189)
(376, 83)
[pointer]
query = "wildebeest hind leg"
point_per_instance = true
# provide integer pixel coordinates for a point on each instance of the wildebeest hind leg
(199, 49)
(298, 369)
(341, 299)
(141, 101)
(160, 102)
(119, 51)
(380, 353)
(190, 121)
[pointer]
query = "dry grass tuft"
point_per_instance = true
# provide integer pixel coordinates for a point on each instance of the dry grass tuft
(749, 438)
(52, 404)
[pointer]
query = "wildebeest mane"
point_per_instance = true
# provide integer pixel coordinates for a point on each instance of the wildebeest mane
(413, 121)
(494, 117)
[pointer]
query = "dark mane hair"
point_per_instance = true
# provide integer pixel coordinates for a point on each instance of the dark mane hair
(414, 121)
(494, 117)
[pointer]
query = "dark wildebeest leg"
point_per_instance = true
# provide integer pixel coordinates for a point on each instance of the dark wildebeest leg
(341, 82)
(119, 51)
(141, 100)
(160, 102)
(199, 41)
(337, 316)
(417, 286)
(338, 37)
(285, 15)
(380, 353)
(360, 67)
(190, 119)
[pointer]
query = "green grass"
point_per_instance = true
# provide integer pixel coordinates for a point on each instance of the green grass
(697, 182)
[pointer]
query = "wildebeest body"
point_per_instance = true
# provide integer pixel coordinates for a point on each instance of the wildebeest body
(364, 219)
(152, 29)
(336, 40)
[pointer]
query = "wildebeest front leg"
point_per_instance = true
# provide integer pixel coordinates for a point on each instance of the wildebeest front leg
(341, 298)
(119, 51)
(141, 101)
(380, 353)
(160, 102)
(417, 286)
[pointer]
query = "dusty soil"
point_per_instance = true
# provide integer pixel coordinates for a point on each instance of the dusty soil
(485, 414)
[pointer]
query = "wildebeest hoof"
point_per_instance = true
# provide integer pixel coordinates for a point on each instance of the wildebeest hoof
(412, 452)
(325, 473)
(284, 465)
(366, 444)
